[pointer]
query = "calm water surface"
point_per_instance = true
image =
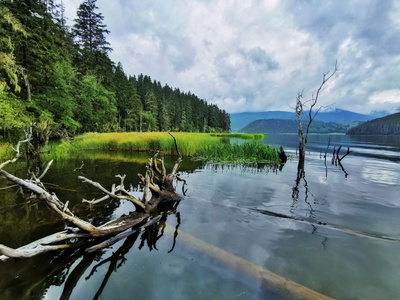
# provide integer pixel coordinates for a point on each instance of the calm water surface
(338, 236)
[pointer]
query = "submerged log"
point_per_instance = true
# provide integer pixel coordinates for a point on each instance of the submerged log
(282, 284)
(158, 189)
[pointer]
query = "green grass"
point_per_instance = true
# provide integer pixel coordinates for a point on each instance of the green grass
(244, 136)
(189, 143)
(247, 152)
(210, 147)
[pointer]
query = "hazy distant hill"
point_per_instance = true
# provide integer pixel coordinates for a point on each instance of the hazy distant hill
(240, 120)
(386, 125)
(291, 126)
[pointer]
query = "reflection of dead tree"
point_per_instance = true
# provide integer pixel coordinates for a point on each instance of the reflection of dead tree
(150, 235)
(156, 181)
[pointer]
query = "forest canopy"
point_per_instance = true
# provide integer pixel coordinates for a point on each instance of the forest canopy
(63, 80)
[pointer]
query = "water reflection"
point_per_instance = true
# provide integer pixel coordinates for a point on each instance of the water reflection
(379, 172)
(349, 250)
(29, 220)
(148, 237)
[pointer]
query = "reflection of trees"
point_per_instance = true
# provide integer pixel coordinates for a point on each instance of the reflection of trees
(30, 278)
(148, 236)
(82, 236)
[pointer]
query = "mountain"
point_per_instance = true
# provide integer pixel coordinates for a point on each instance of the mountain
(386, 125)
(240, 120)
(292, 126)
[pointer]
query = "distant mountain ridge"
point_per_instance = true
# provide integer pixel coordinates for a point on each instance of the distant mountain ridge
(272, 126)
(386, 125)
(240, 120)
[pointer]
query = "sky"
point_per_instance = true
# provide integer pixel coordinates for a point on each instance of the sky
(257, 55)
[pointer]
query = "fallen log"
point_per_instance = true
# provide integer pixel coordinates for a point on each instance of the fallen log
(284, 285)
(158, 188)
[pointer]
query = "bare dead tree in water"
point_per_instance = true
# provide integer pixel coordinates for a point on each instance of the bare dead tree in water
(312, 113)
(80, 233)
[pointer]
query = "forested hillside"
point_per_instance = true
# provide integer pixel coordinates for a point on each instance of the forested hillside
(63, 80)
(386, 125)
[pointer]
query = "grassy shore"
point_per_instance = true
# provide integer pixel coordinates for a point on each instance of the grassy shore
(189, 143)
(211, 147)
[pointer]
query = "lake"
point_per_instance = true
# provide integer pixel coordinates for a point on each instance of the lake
(337, 236)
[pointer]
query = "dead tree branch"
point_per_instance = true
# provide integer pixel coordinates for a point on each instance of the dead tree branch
(300, 104)
(82, 231)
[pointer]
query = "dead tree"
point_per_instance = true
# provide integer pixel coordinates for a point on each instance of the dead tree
(303, 136)
(300, 105)
(80, 233)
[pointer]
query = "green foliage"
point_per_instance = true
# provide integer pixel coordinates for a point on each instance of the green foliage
(89, 32)
(7, 59)
(96, 109)
(5, 150)
(72, 86)
(13, 116)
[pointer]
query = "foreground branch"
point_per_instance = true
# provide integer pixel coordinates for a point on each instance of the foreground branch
(82, 232)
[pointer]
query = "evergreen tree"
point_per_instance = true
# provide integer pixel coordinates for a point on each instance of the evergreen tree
(89, 32)
(8, 64)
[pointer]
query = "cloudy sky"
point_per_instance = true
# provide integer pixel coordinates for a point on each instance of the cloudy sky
(257, 55)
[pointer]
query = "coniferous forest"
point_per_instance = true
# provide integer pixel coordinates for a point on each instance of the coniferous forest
(62, 79)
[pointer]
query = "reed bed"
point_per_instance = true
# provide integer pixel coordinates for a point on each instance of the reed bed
(244, 136)
(189, 143)
(209, 147)
(248, 152)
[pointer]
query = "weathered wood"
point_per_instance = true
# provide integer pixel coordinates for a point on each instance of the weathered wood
(84, 231)
(272, 279)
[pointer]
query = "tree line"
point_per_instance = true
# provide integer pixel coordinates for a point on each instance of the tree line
(63, 80)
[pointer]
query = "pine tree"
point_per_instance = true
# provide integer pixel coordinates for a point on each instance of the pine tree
(89, 32)
(7, 59)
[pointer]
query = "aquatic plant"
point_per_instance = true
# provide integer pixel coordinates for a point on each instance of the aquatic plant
(239, 153)
(244, 136)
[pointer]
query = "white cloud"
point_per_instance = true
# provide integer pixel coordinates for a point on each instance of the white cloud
(257, 55)
(386, 100)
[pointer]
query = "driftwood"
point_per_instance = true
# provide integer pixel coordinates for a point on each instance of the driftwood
(158, 189)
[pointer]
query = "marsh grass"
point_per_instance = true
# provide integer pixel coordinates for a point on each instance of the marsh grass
(244, 136)
(189, 143)
(209, 147)
(247, 152)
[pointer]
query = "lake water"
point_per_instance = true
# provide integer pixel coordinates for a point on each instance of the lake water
(338, 236)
